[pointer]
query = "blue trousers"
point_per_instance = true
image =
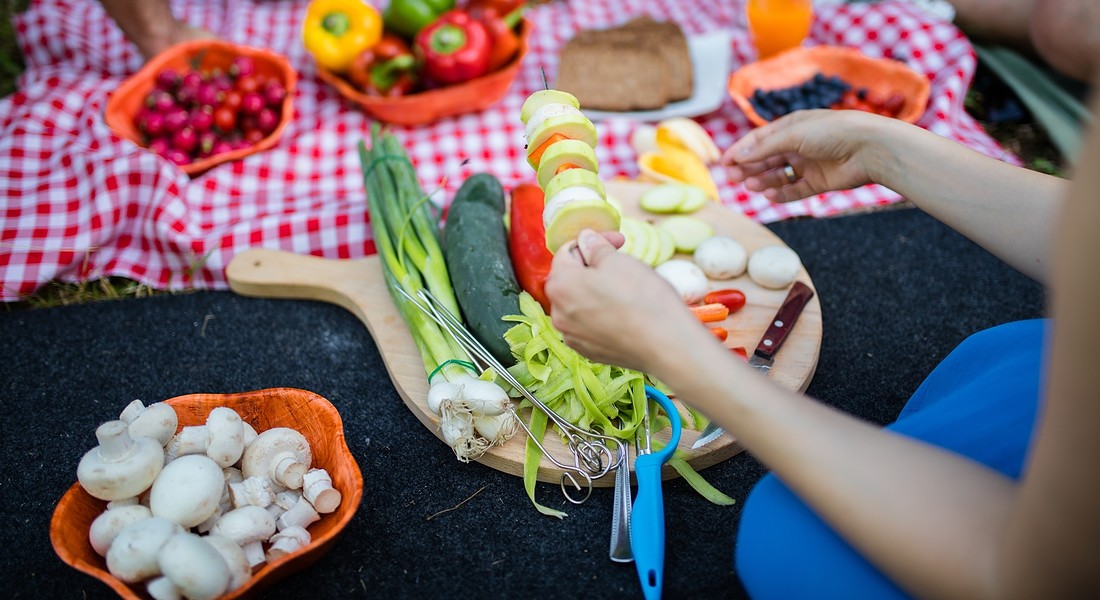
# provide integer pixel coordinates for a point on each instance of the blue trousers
(980, 402)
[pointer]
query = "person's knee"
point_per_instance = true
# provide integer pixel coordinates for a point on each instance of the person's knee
(1066, 34)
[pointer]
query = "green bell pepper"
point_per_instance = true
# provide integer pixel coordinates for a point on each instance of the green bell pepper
(407, 17)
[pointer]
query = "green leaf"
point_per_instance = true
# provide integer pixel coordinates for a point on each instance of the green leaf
(1059, 113)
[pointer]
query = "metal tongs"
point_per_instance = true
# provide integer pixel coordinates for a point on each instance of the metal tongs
(647, 517)
(592, 458)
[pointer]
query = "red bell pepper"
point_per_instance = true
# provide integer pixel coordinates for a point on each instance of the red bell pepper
(387, 68)
(503, 39)
(454, 48)
(527, 242)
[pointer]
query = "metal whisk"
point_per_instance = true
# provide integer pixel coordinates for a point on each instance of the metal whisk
(592, 458)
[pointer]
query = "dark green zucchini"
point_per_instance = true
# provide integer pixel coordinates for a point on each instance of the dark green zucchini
(476, 248)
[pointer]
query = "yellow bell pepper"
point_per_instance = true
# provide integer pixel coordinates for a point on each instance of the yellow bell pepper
(336, 31)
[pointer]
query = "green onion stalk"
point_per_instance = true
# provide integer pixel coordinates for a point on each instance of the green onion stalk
(473, 415)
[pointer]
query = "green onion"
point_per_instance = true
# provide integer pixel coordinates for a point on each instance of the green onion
(407, 241)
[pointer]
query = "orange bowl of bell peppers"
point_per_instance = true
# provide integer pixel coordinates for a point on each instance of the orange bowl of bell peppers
(441, 102)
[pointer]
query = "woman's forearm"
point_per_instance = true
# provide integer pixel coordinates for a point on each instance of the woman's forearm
(1007, 210)
(149, 24)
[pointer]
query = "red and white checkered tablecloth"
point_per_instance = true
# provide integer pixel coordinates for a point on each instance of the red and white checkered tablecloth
(79, 203)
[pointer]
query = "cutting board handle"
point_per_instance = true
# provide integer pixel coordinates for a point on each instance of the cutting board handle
(266, 273)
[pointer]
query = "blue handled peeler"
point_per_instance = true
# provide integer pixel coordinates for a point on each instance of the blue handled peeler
(647, 517)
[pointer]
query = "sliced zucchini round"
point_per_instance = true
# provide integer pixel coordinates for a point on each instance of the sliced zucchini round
(566, 152)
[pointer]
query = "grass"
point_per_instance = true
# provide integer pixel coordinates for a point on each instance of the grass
(11, 60)
(1020, 136)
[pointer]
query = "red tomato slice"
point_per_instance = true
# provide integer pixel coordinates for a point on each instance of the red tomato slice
(731, 299)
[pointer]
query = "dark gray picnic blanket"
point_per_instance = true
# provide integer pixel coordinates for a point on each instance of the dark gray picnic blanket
(898, 291)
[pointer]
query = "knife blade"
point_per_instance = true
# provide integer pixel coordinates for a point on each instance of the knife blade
(763, 357)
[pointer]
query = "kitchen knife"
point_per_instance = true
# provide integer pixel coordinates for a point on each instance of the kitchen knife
(763, 357)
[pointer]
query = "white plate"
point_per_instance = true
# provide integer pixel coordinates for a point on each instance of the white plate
(710, 64)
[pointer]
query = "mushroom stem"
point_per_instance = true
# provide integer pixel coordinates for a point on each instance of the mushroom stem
(299, 515)
(162, 588)
(317, 488)
(115, 443)
(287, 541)
(289, 471)
(254, 552)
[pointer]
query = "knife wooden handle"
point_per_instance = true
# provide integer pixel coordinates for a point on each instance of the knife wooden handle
(784, 320)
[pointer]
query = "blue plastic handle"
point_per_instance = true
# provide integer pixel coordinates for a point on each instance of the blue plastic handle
(647, 515)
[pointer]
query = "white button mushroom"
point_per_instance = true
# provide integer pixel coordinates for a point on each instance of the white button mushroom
(239, 569)
(721, 257)
(774, 266)
(158, 420)
(685, 277)
(317, 488)
(188, 490)
(249, 527)
(280, 454)
(133, 554)
(106, 526)
(194, 566)
(121, 466)
(287, 541)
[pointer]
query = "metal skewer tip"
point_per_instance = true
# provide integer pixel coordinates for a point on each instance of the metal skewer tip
(545, 85)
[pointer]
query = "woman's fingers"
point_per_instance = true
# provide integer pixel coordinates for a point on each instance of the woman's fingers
(787, 193)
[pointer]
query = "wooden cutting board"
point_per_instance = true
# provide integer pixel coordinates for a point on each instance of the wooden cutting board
(357, 285)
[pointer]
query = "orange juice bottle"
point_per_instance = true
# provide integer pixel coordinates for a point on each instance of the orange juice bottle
(777, 25)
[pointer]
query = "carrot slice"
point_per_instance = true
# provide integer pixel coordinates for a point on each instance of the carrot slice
(740, 351)
(710, 313)
(566, 167)
(535, 155)
(720, 333)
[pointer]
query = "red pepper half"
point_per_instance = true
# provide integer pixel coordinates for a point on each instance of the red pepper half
(454, 48)
(527, 242)
(387, 68)
(502, 7)
(503, 40)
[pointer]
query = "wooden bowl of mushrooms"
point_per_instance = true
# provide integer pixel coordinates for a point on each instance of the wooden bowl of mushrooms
(209, 495)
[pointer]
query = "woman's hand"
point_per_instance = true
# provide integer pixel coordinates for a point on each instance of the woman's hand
(615, 310)
(827, 150)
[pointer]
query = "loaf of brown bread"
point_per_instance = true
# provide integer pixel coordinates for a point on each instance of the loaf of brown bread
(640, 65)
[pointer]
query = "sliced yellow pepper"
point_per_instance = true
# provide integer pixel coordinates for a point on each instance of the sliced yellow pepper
(673, 164)
(336, 31)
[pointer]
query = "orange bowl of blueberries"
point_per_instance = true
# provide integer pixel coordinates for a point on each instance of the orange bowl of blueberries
(828, 77)
(202, 103)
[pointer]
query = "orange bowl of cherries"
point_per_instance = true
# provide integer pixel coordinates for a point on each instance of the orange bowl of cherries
(203, 103)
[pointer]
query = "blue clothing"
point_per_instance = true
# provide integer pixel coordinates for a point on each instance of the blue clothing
(980, 402)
